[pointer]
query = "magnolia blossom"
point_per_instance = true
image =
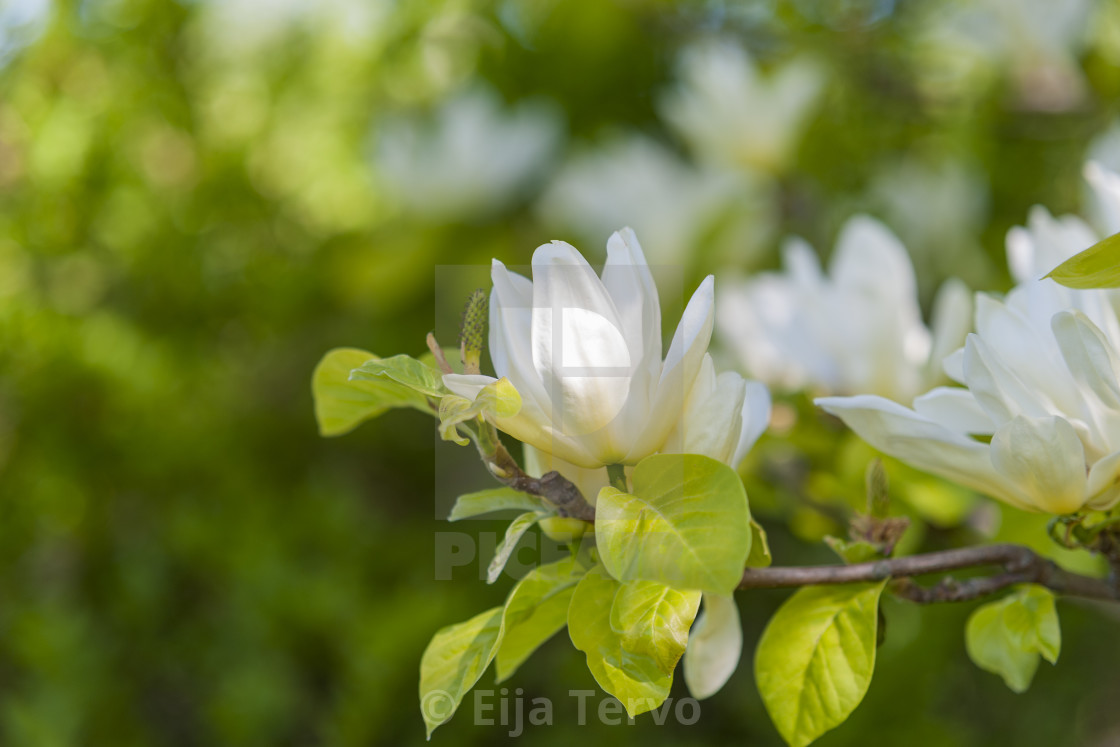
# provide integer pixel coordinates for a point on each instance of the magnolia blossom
(671, 203)
(473, 157)
(729, 113)
(1041, 378)
(858, 330)
(584, 352)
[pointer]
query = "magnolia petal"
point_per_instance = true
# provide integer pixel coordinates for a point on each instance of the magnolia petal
(1106, 190)
(954, 408)
(1103, 486)
(511, 319)
(715, 644)
(712, 420)
(1045, 459)
(756, 417)
(922, 443)
(950, 323)
(953, 365)
(1088, 355)
(628, 280)
(578, 347)
(686, 353)
(871, 258)
(996, 388)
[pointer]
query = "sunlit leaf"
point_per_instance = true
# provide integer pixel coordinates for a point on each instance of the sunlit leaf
(636, 680)
(759, 556)
(496, 400)
(536, 609)
(405, 370)
(1096, 267)
(514, 532)
(815, 658)
(493, 499)
(653, 620)
(452, 663)
(1007, 637)
(341, 404)
(686, 524)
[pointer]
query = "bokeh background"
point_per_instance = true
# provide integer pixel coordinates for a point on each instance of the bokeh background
(198, 199)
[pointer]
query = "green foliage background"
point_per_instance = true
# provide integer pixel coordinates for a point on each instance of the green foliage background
(190, 217)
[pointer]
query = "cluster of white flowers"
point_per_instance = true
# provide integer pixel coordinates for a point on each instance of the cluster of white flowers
(1037, 420)
(858, 330)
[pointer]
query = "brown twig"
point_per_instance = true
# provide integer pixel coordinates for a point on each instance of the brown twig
(1020, 565)
(552, 486)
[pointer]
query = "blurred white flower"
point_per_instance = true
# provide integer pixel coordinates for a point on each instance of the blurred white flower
(471, 158)
(672, 205)
(1034, 42)
(730, 113)
(858, 330)
(584, 352)
(938, 210)
(21, 23)
(1041, 377)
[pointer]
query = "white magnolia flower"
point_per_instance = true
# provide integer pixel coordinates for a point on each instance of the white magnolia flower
(1042, 380)
(730, 113)
(858, 330)
(472, 158)
(584, 352)
(637, 182)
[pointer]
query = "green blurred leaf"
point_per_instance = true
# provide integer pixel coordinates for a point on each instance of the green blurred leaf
(405, 370)
(686, 525)
(1096, 267)
(715, 644)
(536, 609)
(858, 551)
(635, 679)
(493, 499)
(498, 399)
(341, 404)
(514, 532)
(653, 620)
(816, 657)
(452, 663)
(1007, 637)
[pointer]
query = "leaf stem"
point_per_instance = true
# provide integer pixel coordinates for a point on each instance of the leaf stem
(616, 473)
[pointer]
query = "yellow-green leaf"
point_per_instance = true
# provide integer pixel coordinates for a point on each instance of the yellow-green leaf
(1096, 267)
(1007, 637)
(452, 663)
(536, 609)
(815, 658)
(514, 532)
(493, 499)
(654, 620)
(341, 404)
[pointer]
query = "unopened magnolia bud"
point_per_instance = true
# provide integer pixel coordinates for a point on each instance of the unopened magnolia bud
(878, 490)
(473, 336)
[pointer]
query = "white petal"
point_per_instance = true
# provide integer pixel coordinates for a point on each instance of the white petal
(1045, 459)
(953, 365)
(579, 350)
(997, 389)
(954, 408)
(1106, 190)
(756, 417)
(715, 644)
(712, 420)
(1089, 356)
(686, 353)
(511, 320)
(870, 258)
(1104, 482)
(950, 322)
(906, 435)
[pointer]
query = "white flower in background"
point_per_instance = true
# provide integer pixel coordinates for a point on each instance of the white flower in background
(729, 112)
(471, 158)
(1041, 377)
(938, 209)
(672, 205)
(584, 352)
(21, 23)
(858, 330)
(1035, 42)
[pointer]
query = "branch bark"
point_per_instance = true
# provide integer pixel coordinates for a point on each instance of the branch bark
(1019, 565)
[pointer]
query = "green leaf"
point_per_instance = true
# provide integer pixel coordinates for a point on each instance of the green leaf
(1096, 267)
(816, 656)
(404, 370)
(1008, 636)
(853, 551)
(514, 531)
(635, 679)
(653, 620)
(536, 609)
(759, 556)
(341, 404)
(715, 644)
(686, 524)
(496, 400)
(494, 499)
(452, 663)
